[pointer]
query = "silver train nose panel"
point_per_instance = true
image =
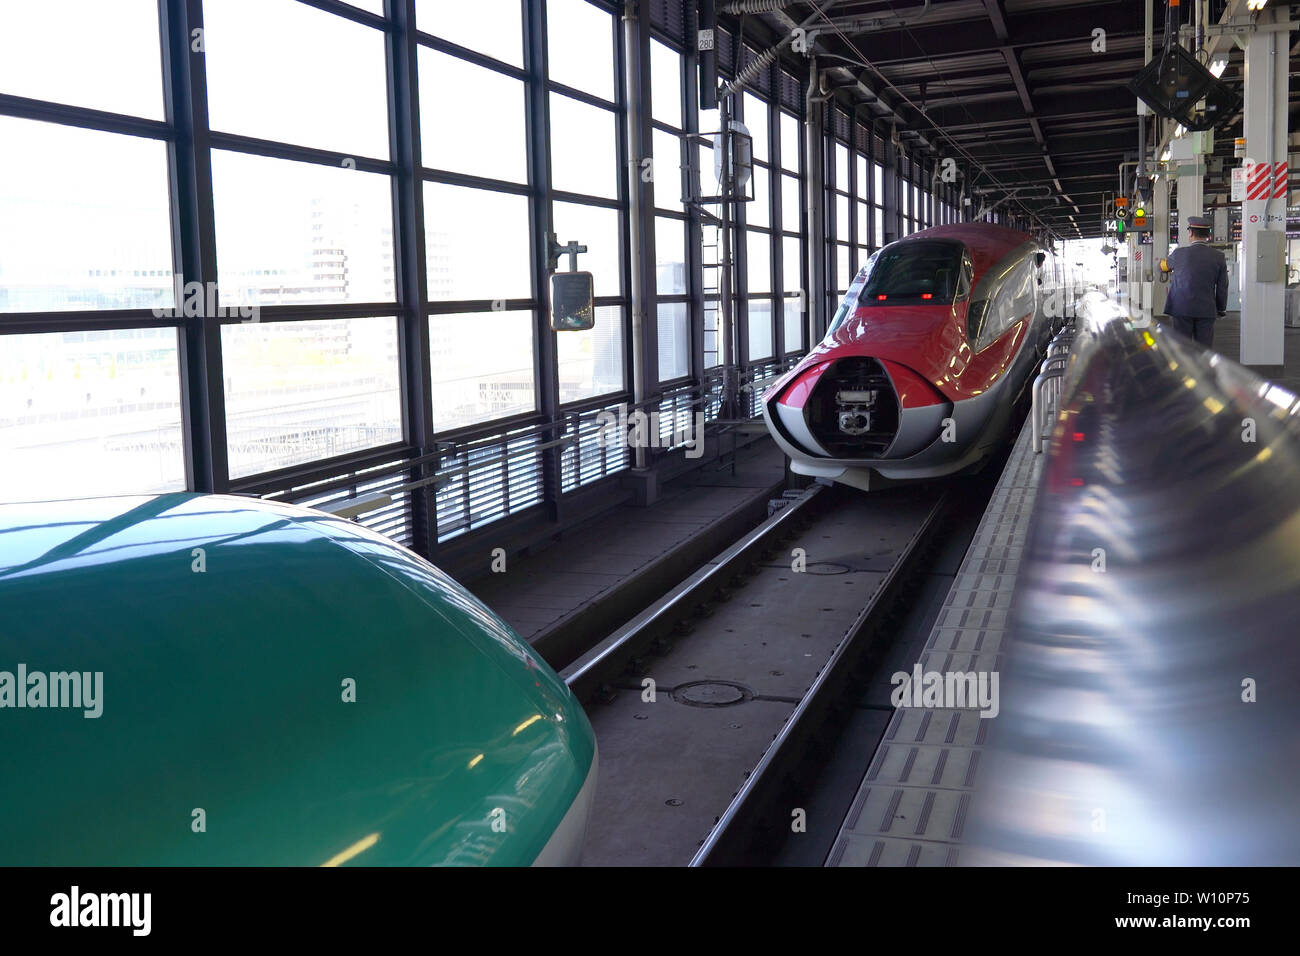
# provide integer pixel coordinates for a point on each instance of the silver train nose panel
(1150, 710)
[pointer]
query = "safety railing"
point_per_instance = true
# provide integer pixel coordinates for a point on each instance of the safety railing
(1047, 386)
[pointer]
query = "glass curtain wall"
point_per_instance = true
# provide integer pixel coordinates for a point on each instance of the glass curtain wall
(304, 257)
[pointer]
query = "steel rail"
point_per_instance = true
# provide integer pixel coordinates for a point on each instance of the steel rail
(723, 846)
(657, 622)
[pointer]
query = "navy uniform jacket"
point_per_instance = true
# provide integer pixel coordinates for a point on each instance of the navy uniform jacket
(1198, 285)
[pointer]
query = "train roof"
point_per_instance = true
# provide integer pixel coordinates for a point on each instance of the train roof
(225, 629)
(986, 242)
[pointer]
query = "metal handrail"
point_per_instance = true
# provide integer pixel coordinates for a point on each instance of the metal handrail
(1040, 407)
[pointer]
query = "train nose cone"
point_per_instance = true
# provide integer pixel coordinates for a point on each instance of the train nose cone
(853, 409)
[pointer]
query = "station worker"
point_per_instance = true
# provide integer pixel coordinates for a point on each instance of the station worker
(1198, 284)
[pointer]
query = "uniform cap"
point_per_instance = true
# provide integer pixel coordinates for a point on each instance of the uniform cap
(1198, 222)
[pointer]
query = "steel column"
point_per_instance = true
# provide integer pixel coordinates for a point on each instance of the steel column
(814, 168)
(1265, 129)
(537, 120)
(1159, 247)
(411, 264)
(640, 218)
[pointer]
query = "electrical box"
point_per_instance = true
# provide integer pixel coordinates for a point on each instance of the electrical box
(1192, 144)
(1270, 256)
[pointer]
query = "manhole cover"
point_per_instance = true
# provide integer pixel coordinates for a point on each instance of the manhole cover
(828, 567)
(712, 693)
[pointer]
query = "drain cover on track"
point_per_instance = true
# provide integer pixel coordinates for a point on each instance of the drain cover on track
(827, 567)
(712, 693)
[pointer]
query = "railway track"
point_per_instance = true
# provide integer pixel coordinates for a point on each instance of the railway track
(709, 706)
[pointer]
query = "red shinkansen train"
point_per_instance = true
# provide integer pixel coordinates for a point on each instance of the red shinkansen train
(931, 350)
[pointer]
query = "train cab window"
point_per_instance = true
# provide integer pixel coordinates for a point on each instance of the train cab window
(1005, 294)
(917, 272)
(849, 304)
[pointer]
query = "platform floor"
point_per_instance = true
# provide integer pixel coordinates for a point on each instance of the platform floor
(911, 806)
(1227, 341)
(556, 585)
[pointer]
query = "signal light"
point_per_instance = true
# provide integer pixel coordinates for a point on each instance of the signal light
(881, 298)
(927, 295)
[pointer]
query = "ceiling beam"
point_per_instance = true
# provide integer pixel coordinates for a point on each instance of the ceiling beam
(1061, 27)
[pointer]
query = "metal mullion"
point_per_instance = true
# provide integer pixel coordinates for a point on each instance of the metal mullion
(318, 313)
(661, 213)
(559, 195)
(590, 99)
(580, 406)
(830, 262)
(739, 226)
(688, 148)
(776, 214)
(677, 383)
(274, 149)
(323, 470)
(678, 48)
(474, 182)
(411, 264)
(489, 430)
(189, 163)
(83, 117)
(800, 229)
(471, 56)
(854, 189)
(355, 14)
(83, 321)
(459, 306)
(601, 400)
(893, 208)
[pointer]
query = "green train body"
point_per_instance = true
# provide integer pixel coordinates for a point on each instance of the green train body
(277, 687)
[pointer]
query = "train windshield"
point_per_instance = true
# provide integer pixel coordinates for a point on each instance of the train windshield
(920, 272)
(850, 300)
